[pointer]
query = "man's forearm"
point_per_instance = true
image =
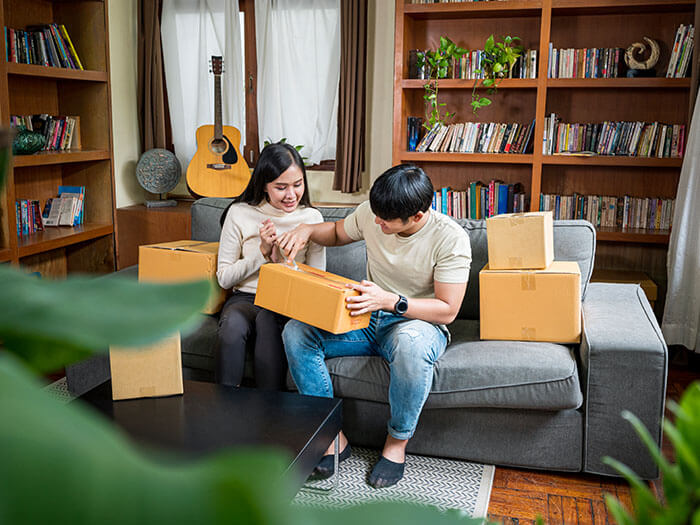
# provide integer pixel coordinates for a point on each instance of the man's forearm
(324, 234)
(430, 310)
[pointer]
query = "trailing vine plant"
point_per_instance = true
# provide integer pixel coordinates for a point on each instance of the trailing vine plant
(496, 60)
(438, 63)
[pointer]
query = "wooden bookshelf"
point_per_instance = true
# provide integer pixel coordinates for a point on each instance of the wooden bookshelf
(31, 89)
(567, 24)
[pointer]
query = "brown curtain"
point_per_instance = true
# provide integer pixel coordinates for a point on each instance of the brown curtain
(350, 148)
(154, 117)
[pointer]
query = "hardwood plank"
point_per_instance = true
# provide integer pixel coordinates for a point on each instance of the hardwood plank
(518, 503)
(600, 513)
(569, 511)
(584, 511)
(555, 512)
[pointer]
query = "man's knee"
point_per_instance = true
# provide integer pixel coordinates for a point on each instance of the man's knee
(415, 343)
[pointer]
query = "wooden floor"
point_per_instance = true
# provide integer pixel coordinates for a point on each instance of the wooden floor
(519, 496)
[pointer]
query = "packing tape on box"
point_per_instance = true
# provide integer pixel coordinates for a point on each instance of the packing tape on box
(527, 281)
(331, 282)
(527, 333)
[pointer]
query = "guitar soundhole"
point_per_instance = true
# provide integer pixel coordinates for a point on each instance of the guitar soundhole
(218, 146)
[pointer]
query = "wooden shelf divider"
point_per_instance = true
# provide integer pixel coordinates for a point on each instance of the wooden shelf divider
(58, 73)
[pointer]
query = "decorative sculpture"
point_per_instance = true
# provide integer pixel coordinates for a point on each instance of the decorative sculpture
(643, 68)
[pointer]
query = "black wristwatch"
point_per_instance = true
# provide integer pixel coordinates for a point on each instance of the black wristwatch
(401, 306)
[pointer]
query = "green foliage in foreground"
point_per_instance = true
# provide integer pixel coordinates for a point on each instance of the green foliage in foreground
(681, 480)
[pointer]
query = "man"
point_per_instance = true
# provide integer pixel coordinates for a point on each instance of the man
(417, 269)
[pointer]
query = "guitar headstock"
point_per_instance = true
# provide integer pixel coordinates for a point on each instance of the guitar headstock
(216, 65)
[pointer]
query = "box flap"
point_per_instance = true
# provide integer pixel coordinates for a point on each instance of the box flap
(187, 246)
(557, 267)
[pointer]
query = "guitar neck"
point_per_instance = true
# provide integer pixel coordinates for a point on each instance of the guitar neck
(218, 129)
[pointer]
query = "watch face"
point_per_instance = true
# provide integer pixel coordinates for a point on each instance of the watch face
(401, 306)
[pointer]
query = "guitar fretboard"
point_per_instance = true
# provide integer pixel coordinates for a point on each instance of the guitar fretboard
(218, 130)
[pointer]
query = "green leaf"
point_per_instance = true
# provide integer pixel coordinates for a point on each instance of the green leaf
(488, 82)
(52, 323)
(646, 438)
(484, 102)
(621, 516)
(497, 68)
(488, 47)
(444, 42)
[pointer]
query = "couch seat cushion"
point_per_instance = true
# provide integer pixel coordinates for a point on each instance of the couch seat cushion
(475, 373)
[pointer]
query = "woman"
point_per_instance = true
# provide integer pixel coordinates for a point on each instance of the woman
(275, 201)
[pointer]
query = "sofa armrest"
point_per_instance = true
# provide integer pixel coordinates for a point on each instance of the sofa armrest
(623, 367)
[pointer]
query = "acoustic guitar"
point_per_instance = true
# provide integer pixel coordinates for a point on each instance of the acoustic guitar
(217, 169)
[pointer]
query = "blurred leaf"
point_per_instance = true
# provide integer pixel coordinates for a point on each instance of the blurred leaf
(484, 101)
(52, 323)
(62, 464)
(488, 47)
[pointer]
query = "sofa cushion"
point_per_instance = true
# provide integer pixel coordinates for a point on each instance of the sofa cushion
(474, 373)
(573, 241)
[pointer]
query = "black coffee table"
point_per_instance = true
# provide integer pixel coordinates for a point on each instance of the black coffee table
(209, 417)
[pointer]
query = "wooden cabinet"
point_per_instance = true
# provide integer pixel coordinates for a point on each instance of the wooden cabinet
(137, 225)
(31, 89)
(567, 24)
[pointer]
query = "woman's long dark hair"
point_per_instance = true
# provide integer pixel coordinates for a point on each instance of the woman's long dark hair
(274, 160)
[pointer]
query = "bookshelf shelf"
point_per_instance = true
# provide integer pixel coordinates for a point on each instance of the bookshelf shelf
(58, 237)
(626, 83)
(607, 160)
(27, 89)
(511, 8)
(592, 7)
(47, 158)
(460, 83)
(58, 73)
(484, 158)
(632, 235)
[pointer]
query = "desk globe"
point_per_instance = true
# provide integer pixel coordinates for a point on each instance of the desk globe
(158, 171)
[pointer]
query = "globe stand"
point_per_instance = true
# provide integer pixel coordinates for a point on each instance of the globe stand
(160, 203)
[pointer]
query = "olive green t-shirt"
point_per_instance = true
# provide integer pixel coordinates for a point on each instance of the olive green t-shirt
(439, 251)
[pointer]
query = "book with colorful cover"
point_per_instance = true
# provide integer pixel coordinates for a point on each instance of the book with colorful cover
(77, 192)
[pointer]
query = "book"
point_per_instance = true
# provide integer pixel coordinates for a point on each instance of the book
(66, 211)
(77, 193)
(52, 211)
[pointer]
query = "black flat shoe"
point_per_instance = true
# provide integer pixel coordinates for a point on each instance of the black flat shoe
(326, 468)
(386, 473)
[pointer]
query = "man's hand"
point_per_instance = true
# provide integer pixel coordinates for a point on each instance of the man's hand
(372, 298)
(268, 238)
(295, 240)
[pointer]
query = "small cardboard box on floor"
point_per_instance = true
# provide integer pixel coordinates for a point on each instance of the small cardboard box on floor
(520, 240)
(156, 370)
(531, 305)
(308, 295)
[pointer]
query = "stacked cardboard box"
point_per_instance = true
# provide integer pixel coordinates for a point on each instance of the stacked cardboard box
(156, 370)
(525, 295)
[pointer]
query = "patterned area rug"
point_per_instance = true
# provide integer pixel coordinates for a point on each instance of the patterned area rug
(442, 483)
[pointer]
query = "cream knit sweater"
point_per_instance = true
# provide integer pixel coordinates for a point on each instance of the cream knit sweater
(240, 258)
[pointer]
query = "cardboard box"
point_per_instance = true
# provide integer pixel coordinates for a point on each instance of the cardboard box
(531, 305)
(179, 261)
(520, 240)
(150, 371)
(308, 295)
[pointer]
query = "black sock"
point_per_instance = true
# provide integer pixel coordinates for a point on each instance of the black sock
(326, 467)
(386, 473)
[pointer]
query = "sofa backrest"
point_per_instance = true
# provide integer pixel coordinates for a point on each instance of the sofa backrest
(573, 241)
(349, 261)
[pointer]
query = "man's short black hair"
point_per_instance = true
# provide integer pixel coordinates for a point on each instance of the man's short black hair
(401, 192)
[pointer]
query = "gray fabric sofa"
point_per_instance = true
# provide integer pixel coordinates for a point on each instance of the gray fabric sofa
(524, 404)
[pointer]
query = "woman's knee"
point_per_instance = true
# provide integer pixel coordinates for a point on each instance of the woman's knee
(234, 325)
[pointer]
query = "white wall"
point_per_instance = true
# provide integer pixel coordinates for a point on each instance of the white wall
(380, 74)
(123, 76)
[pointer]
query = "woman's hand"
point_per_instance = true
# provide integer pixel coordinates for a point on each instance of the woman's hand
(371, 298)
(268, 239)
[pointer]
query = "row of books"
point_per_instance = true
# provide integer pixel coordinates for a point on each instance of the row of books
(44, 45)
(480, 200)
(681, 52)
(612, 212)
(585, 63)
(478, 137)
(60, 132)
(634, 139)
(469, 66)
(65, 210)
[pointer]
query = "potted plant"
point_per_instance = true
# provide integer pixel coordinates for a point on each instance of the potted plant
(496, 60)
(437, 64)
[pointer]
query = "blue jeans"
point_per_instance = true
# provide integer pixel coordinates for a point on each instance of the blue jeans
(410, 346)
